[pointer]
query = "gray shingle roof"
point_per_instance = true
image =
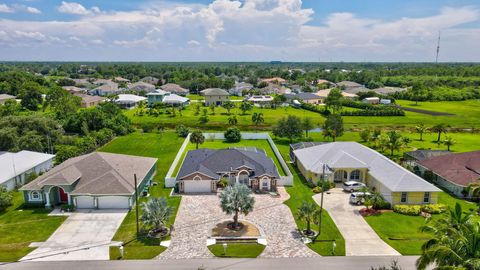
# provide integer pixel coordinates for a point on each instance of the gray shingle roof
(214, 92)
(211, 162)
(97, 173)
(346, 154)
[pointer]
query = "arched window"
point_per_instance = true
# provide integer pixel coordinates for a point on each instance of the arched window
(35, 196)
(243, 178)
(355, 175)
(197, 178)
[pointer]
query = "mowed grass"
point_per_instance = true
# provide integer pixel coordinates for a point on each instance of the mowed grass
(163, 146)
(20, 226)
(237, 250)
(403, 233)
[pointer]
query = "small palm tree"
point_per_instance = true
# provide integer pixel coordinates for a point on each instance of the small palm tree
(473, 190)
(394, 141)
(421, 129)
(308, 211)
(212, 108)
(237, 199)
(449, 142)
(197, 138)
(155, 214)
(439, 129)
(257, 119)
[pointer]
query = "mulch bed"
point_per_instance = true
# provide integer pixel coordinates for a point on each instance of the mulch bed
(223, 230)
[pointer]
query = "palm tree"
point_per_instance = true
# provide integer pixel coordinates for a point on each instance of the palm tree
(197, 138)
(473, 190)
(257, 119)
(237, 199)
(439, 129)
(212, 108)
(449, 141)
(232, 121)
(228, 105)
(394, 141)
(308, 211)
(155, 214)
(421, 129)
(455, 243)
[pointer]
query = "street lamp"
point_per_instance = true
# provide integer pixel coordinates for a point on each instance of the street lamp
(121, 251)
(225, 245)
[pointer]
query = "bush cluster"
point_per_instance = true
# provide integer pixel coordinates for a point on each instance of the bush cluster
(434, 208)
(410, 210)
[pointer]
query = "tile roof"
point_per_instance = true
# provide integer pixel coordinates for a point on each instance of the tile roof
(461, 168)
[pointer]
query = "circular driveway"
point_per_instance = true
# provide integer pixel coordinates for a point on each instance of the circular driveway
(198, 214)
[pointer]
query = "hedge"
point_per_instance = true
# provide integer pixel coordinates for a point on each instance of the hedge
(410, 210)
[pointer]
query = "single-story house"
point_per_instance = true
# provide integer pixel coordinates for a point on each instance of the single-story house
(215, 96)
(323, 94)
(175, 89)
(106, 89)
(239, 88)
(275, 89)
(310, 98)
(161, 96)
(348, 84)
(75, 90)
(345, 161)
(453, 172)
(121, 80)
(16, 167)
(89, 100)
(141, 87)
(96, 180)
(356, 90)
(274, 80)
(259, 99)
(388, 90)
(150, 80)
(413, 157)
(5, 97)
(202, 169)
(371, 100)
(128, 101)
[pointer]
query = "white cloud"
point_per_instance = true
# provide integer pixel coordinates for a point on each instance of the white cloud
(247, 30)
(18, 8)
(6, 9)
(77, 9)
(33, 10)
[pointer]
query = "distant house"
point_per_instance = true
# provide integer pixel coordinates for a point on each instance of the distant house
(275, 80)
(388, 90)
(121, 80)
(5, 97)
(351, 161)
(150, 80)
(215, 96)
(323, 94)
(202, 169)
(89, 100)
(106, 89)
(96, 180)
(75, 90)
(175, 89)
(356, 90)
(141, 87)
(128, 101)
(275, 89)
(16, 167)
(160, 96)
(310, 98)
(348, 84)
(453, 172)
(371, 100)
(239, 88)
(256, 99)
(385, 101)
(411, 158)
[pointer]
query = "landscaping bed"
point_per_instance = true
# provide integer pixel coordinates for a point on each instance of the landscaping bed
(237, 250)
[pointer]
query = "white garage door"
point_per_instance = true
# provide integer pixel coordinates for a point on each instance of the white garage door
(197, 186)
(85, 202)
(113, 202)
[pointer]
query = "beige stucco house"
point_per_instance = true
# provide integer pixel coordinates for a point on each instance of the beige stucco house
(215, 96)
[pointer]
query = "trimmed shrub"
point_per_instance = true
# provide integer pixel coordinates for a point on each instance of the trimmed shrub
(223, 182)
(317, 190)
(5, 198)
(410, 210)
(434, 208)
(182, 131)
(382, 205)
(233, 135)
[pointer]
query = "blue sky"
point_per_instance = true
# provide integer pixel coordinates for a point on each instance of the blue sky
(247, 30)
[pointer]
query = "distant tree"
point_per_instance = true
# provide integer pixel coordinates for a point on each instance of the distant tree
(393, 141)
(182, 131)
(31, 96)
(204, 118)
(289, 127)
(232, 120)
(237, 199)
(334, 100)
(278, 100)
(197, 138)
(421, 129)
(5, 198)
(449, 142)
(233, 134)
(307, 124)
(156, 213)
(418, 91)
(197, 108)
(212, 108)
(228, 105)
(439, 129)
(10, 107)
(257, 119)
(245, 106)
(333, 126)
(365, 134)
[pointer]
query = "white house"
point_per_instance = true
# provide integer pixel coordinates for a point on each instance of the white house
(15, 167)
(129, 101)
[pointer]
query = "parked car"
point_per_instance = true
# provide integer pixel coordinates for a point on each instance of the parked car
(352, 186)
(359, 198)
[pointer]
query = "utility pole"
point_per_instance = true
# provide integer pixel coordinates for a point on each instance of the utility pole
(136, 202)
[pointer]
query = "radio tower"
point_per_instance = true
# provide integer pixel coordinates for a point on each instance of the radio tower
(438, 48)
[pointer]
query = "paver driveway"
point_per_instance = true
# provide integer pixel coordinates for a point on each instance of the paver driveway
(85, 235)
(198, 214)
(360, 238)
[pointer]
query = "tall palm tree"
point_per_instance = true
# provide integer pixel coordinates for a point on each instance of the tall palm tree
(197, 138)
(439, 129)
(421, 129)
(449, 141)
(155, 213)
(237, 199)
(308, 211)
(257, 119)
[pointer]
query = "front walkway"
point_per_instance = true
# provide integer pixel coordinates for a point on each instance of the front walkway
(85, 235)
(360, 238)
(198, 214)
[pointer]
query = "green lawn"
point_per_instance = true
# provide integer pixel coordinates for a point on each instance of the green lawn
(402, 231)
(163, 146)
(19, 227)
(237, 250)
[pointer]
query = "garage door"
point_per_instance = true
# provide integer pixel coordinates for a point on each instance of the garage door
(113, 202)
(85, 202)
(197, 186)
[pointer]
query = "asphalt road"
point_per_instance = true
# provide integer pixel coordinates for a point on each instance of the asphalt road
(337, 263)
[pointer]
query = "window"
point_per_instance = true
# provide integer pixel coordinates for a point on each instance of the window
(35, 196)
(355, 175)
(197, 177)
(403, 198)
(265, 183)
(426, 197)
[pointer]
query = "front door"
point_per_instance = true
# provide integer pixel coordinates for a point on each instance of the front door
(62, 195)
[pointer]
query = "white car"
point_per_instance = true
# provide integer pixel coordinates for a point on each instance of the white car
(352, 186)
(358, 198)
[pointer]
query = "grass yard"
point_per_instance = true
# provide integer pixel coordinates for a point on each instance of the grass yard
(163, 146)
(402, 232)
(19, 227)
(237, 250)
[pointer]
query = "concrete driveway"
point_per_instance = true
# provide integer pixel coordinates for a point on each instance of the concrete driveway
(85, 235)
(198, 214)
(360, 238)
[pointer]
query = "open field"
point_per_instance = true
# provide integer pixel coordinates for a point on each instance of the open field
(21, 226)
(163, 146)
